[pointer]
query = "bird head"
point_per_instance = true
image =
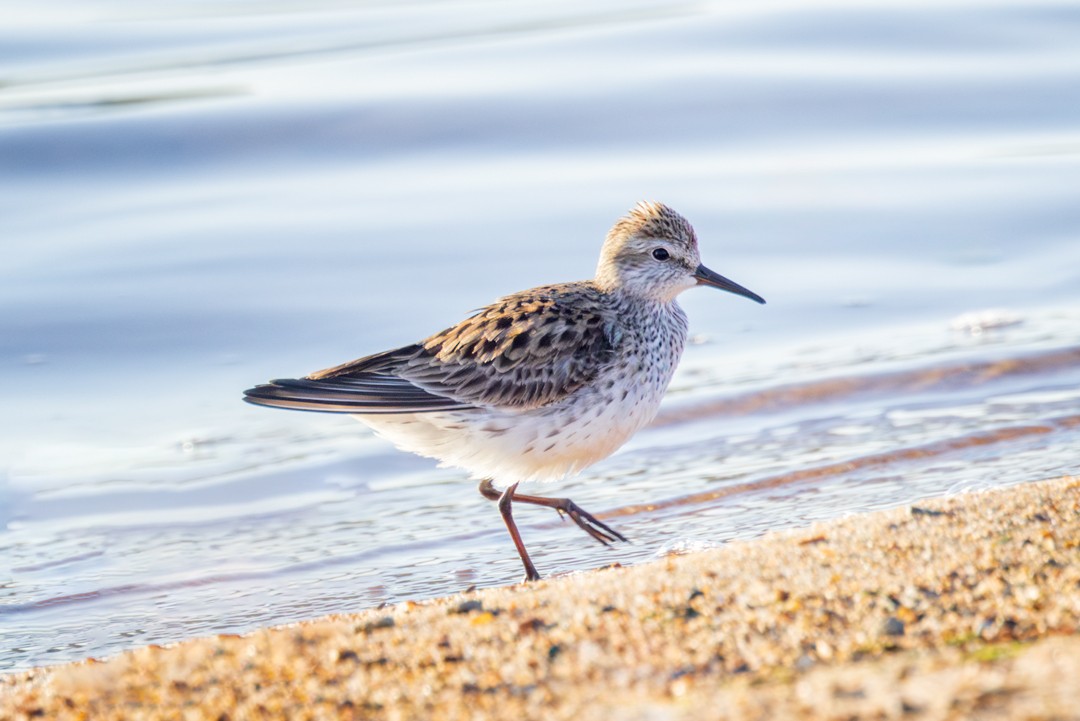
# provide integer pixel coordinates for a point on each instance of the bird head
(652, 252)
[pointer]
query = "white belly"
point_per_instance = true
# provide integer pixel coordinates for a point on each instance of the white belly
(551, 442)
(543, 444)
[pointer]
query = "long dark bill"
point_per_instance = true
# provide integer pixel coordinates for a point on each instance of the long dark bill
(707, 277)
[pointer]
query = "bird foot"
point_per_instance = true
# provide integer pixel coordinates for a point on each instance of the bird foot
(586, 521)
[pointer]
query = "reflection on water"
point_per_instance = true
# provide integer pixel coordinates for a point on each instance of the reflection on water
(199, 197)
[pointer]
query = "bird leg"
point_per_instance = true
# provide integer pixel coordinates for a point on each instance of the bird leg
(505, 501)
(564, 507)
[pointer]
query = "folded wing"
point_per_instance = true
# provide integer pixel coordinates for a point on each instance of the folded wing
(525, 351)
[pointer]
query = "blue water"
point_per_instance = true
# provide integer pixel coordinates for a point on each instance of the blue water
(195, 197)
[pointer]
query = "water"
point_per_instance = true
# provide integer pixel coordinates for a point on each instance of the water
(195, 197)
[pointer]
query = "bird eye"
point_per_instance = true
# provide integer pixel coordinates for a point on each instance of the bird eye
(661, 254)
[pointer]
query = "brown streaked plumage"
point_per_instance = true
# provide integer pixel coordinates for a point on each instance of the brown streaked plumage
(540, 383)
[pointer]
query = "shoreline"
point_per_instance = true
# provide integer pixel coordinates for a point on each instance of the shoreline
(957, 607)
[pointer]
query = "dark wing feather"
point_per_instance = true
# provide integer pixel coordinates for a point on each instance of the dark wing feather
(524, 351)
(373, 394)
(370, 387)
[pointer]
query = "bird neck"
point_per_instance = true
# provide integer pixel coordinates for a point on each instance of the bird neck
(626, 300)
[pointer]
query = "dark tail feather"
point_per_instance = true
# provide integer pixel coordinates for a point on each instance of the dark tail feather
(374, 394)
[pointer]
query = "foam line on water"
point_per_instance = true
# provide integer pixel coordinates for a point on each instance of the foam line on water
(884, 460)
(935, 378)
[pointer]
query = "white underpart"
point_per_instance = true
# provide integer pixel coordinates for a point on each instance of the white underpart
(558, 440)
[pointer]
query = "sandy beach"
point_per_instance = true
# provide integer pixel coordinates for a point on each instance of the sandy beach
(956, 608)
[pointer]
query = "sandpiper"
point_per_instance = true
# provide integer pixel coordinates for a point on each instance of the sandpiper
(539, 384)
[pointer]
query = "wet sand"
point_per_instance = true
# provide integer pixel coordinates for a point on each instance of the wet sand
(957, 608)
